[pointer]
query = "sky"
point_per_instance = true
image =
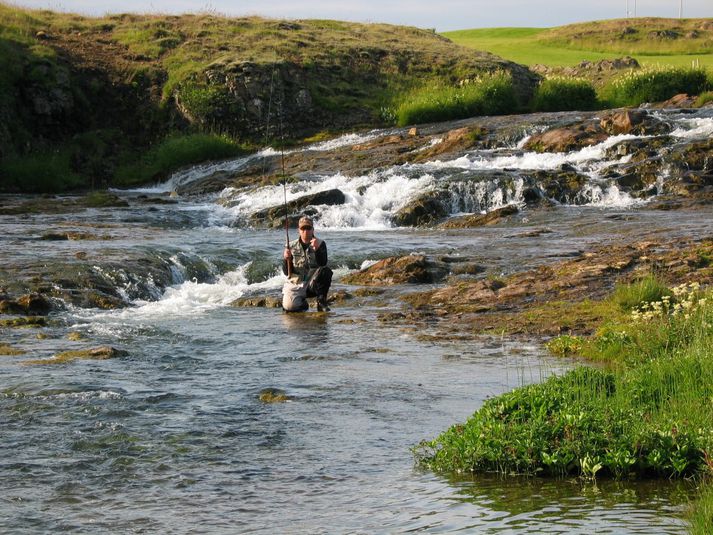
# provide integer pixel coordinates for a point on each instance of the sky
(441, 15)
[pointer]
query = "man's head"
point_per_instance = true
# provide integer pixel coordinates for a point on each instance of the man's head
(306, 227)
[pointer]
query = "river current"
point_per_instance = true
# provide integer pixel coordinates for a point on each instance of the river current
(173, 438)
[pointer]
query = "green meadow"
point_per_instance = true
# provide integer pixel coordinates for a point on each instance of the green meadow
(548, 46)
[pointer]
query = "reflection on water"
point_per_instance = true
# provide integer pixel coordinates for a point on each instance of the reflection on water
(534, 505)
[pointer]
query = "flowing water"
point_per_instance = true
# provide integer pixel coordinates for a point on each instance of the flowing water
(173, 438)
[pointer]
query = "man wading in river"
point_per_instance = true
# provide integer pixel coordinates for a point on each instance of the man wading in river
(304, 261)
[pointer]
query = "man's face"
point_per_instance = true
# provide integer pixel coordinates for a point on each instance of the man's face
(306, 233)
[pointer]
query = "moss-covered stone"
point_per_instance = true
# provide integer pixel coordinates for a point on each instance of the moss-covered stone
(95, 353)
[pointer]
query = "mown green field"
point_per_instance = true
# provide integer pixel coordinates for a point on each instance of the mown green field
(530, 46)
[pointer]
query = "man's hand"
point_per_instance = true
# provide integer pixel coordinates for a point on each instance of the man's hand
(315, 242)
(287, 254)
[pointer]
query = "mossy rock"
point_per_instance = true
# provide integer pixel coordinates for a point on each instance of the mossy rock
(8, 350)
(25, 321)
(95, 353)
(273, 395)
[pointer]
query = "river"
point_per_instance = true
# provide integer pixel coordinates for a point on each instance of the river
(173, 438)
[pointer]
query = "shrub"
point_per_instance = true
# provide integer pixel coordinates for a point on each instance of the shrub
(561, 94)
(488, 94)
(654, 84)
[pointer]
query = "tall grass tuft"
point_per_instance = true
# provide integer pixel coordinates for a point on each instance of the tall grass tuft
(648, 289)
(654, 84)
(488, 94)
(701, 515)
(563, 94)
(176, 152)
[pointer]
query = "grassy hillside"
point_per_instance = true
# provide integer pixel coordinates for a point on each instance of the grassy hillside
(676, 42)
(93, 92)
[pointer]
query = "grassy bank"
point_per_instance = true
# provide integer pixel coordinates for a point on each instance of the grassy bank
(645, 413)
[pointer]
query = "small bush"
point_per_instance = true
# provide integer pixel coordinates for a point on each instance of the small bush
(176, 152)
(488, 94)
(654, 84)
(562, 94)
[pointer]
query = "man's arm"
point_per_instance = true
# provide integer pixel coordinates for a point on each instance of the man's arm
(321, 254)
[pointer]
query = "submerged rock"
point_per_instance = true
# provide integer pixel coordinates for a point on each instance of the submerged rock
(8, 350)
(95, 353)
(257, 301)
(273, 395)
(28, 321)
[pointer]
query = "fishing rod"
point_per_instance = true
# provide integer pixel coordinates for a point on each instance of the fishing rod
(282, 161)
(284, 189)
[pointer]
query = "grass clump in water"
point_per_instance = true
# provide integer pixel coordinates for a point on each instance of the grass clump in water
(654, 84)
(562, 94)
(650, 416)
(488, 94)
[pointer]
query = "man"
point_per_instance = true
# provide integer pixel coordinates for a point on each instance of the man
(305, 261)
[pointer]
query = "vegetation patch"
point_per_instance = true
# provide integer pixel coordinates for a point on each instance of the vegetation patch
(487, 94)
(176, 152)
(649, 416)
(559, 93)
(654, 84)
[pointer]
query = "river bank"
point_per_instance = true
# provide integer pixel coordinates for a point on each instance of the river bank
(135, 324)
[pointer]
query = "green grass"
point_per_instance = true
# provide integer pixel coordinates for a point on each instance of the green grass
(701, 513)
(560, 93)
(489, 94)
(39, 172)
(176, 152)
(654, 84)
(648, 416)
(531, 46)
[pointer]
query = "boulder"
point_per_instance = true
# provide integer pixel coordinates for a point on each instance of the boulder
(424, 210)
(30, 305)
(411, 269)
(567, 138)
(638, 122)
(479, 220)
(274, 216)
